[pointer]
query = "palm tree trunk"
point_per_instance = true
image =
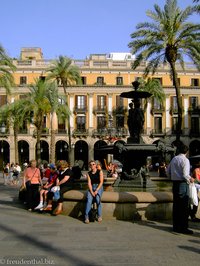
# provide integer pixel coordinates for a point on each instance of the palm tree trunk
(16, 146)
(38, 147)
(53, 144)
(178, 98)
(69, 131)
(53, 137)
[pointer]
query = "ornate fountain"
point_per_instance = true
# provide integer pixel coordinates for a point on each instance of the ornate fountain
(133, 154)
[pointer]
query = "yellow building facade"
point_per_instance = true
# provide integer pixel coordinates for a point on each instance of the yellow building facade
(99, 114)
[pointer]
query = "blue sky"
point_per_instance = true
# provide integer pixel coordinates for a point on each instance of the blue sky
(74, 28)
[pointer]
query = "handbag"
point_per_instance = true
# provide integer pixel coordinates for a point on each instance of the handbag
(28, 184)
(193, 194)
(56, 193)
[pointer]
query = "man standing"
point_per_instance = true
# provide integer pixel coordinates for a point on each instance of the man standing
(179, 172)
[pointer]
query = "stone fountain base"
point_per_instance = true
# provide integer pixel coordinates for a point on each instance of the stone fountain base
(123, 205)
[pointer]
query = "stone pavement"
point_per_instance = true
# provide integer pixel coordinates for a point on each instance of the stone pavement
(41, 239)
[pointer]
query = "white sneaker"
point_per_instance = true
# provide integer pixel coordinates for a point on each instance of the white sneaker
(44, 206)
(39, 206)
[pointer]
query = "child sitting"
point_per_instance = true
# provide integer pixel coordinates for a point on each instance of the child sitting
(46, 188)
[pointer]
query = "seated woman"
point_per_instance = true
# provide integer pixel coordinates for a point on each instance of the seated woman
(95, 186)
(47, 187)
(112, 170)
(65, 181)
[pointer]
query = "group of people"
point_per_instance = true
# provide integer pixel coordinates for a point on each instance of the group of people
(59, 178)
(11, 174)
(39, 183)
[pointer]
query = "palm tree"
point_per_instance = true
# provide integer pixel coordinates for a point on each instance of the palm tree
(57, 110)
(6, 67)
(198, 6)
(13, 114)
(36, 106)
(166, 40)
(154, 87)
(65, 74)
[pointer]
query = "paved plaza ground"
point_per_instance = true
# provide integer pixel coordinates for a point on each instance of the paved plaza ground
(41, 239)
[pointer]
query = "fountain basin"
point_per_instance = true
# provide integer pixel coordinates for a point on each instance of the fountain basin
(123, 205)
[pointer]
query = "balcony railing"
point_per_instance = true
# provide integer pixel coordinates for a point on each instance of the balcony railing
(23, 131)
(110, 132)
(157, 110)
(158, 132)
(194, 110)
(44, 133)
(61, 131)
(173, 110)
(78, 110)
(80, 133)
(100, 110)
(120, 110)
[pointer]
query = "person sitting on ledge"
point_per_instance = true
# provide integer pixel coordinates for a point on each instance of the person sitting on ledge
(47, 187)
(65, 181)
(95, 186)
(112, 170)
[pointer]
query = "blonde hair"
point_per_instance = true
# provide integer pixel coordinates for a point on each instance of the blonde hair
(64, 164)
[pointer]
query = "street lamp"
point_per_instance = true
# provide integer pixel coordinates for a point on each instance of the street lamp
(3, 128)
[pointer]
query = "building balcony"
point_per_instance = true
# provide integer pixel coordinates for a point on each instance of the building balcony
(193, 110)
(100, 110)
(44, 133)
(120, 110)
(110, 132)
(157, 133)
(123, 131)
(80, 133)
(61, 131)
(101, 132)
(23, 131)
(173, 111)
(78, 110)
(157, 110)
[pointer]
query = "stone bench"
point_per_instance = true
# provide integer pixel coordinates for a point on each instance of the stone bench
(123, 205)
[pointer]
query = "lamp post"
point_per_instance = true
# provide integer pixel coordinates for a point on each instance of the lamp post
(3, 128)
